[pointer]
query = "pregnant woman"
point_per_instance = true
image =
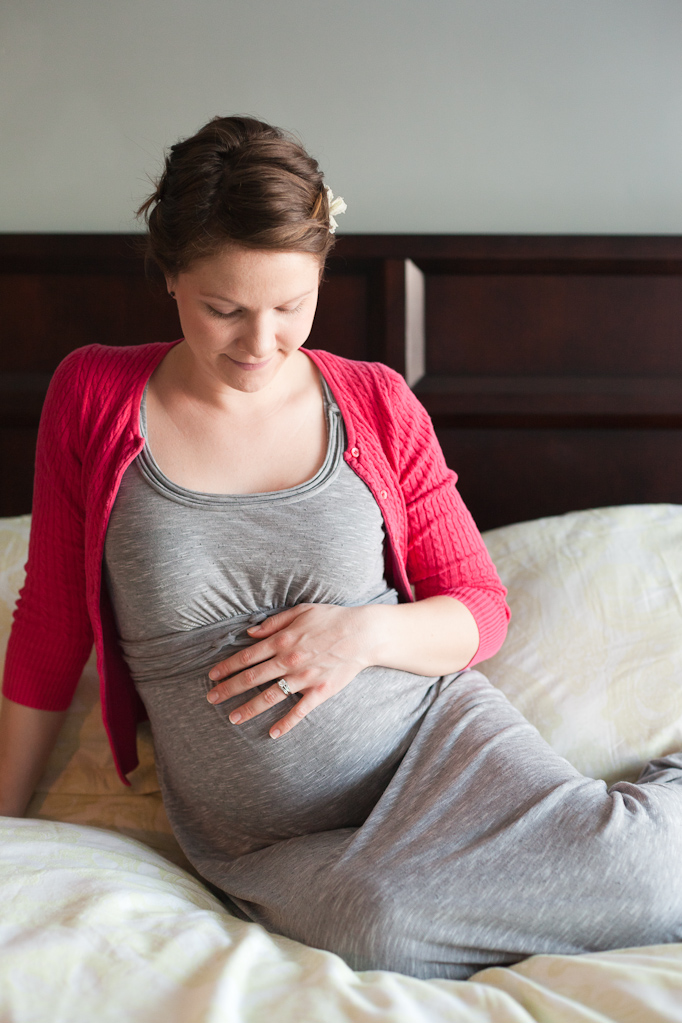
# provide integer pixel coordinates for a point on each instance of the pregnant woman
(240, 526)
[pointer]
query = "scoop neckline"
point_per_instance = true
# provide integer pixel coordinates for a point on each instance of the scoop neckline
(155, 476)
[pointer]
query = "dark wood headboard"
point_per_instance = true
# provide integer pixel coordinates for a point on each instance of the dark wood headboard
(551, 366)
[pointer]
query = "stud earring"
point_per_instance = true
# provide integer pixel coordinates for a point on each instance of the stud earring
(172, 294)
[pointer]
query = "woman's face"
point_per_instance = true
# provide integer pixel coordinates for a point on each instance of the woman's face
(244, 312)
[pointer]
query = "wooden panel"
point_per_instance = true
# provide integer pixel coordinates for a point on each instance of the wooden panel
(46, 316)
(373, 310)
(547, 358)
(341, 321)
(514, 475)
(547, 325)
(17, 453)
(539, 401)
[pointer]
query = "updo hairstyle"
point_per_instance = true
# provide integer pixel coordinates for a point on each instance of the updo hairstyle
(237, 180)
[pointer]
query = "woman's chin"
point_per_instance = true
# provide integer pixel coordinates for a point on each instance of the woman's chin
(248, 376)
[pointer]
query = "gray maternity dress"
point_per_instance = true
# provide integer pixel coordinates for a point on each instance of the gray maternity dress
(408, 823)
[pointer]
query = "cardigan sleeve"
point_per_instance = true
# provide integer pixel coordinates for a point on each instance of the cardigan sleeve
(445, 550)
(51, 635)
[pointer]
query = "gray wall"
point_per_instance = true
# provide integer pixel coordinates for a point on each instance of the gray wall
(426, 115)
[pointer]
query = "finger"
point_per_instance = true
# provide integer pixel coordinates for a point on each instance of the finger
(264, 701)
(242, 682)
(243, 659)
(275, 623)
(301, 709)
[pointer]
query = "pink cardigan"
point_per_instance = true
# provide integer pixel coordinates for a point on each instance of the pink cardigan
(89, 434)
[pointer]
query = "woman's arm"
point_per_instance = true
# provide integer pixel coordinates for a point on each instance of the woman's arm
(51, 636)
(27, 737)
(435, 636)
(446, 554)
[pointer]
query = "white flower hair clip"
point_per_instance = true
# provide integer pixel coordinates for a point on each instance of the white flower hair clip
(336, 208)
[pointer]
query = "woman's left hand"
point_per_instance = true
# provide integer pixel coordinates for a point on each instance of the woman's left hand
(317, 648)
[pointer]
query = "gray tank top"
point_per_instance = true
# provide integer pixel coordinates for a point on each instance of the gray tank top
(178, 560)
(188, 574)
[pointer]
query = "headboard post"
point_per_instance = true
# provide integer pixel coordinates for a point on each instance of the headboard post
(404, 337)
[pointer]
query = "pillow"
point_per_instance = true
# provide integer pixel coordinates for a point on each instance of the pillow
(594, 653)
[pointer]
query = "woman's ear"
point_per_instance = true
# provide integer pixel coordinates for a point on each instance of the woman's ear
(170, 286)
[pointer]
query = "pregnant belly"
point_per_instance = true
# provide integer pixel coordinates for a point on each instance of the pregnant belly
(233, 789)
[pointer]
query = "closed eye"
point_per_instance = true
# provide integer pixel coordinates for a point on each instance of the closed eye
(222, 316)
(235, 312)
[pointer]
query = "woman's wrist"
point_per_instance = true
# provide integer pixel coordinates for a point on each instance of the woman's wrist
(372, 633)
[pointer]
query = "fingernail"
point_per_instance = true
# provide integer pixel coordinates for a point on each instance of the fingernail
(214, 673)
(275, 733)
(213, 697)
(235, 718)
(253, 628)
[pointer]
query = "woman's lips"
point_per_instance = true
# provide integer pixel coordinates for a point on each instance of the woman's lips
(250, 365)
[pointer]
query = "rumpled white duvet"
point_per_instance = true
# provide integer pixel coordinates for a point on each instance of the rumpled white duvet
(95, 926)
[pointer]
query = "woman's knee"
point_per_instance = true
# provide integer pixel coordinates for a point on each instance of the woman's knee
(647, 880)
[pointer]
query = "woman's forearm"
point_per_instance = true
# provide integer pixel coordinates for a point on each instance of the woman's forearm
(27, 736)
(434, 636)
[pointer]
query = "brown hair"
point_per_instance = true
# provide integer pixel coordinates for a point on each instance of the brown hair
(237, 180)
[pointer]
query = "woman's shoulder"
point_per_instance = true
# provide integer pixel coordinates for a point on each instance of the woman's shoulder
(351, 367)
(358, 377)
(378, 405)
(96, 378)
(86, 371)
(371, 387)
(122, 360)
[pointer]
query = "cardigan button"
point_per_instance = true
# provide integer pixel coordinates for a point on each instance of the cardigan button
(354, 452)
(383, 495)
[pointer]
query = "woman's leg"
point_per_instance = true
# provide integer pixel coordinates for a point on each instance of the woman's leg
(486, 847)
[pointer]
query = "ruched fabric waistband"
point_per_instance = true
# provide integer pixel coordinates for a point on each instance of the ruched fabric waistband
(193, 652)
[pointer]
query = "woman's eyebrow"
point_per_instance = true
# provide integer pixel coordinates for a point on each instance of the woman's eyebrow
(220, 298)
(224, 298)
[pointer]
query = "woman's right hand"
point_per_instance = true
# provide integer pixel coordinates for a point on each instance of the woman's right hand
(317, 648)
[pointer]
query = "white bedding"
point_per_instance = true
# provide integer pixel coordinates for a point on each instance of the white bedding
(96, 927)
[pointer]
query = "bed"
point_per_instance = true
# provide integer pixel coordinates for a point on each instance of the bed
(101, 917)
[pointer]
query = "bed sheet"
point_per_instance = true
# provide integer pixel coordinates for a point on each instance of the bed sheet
(98, 927)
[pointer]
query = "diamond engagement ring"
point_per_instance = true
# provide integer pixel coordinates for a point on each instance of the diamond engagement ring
(284, 687)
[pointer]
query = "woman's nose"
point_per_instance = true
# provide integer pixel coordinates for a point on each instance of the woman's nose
(258, 338)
